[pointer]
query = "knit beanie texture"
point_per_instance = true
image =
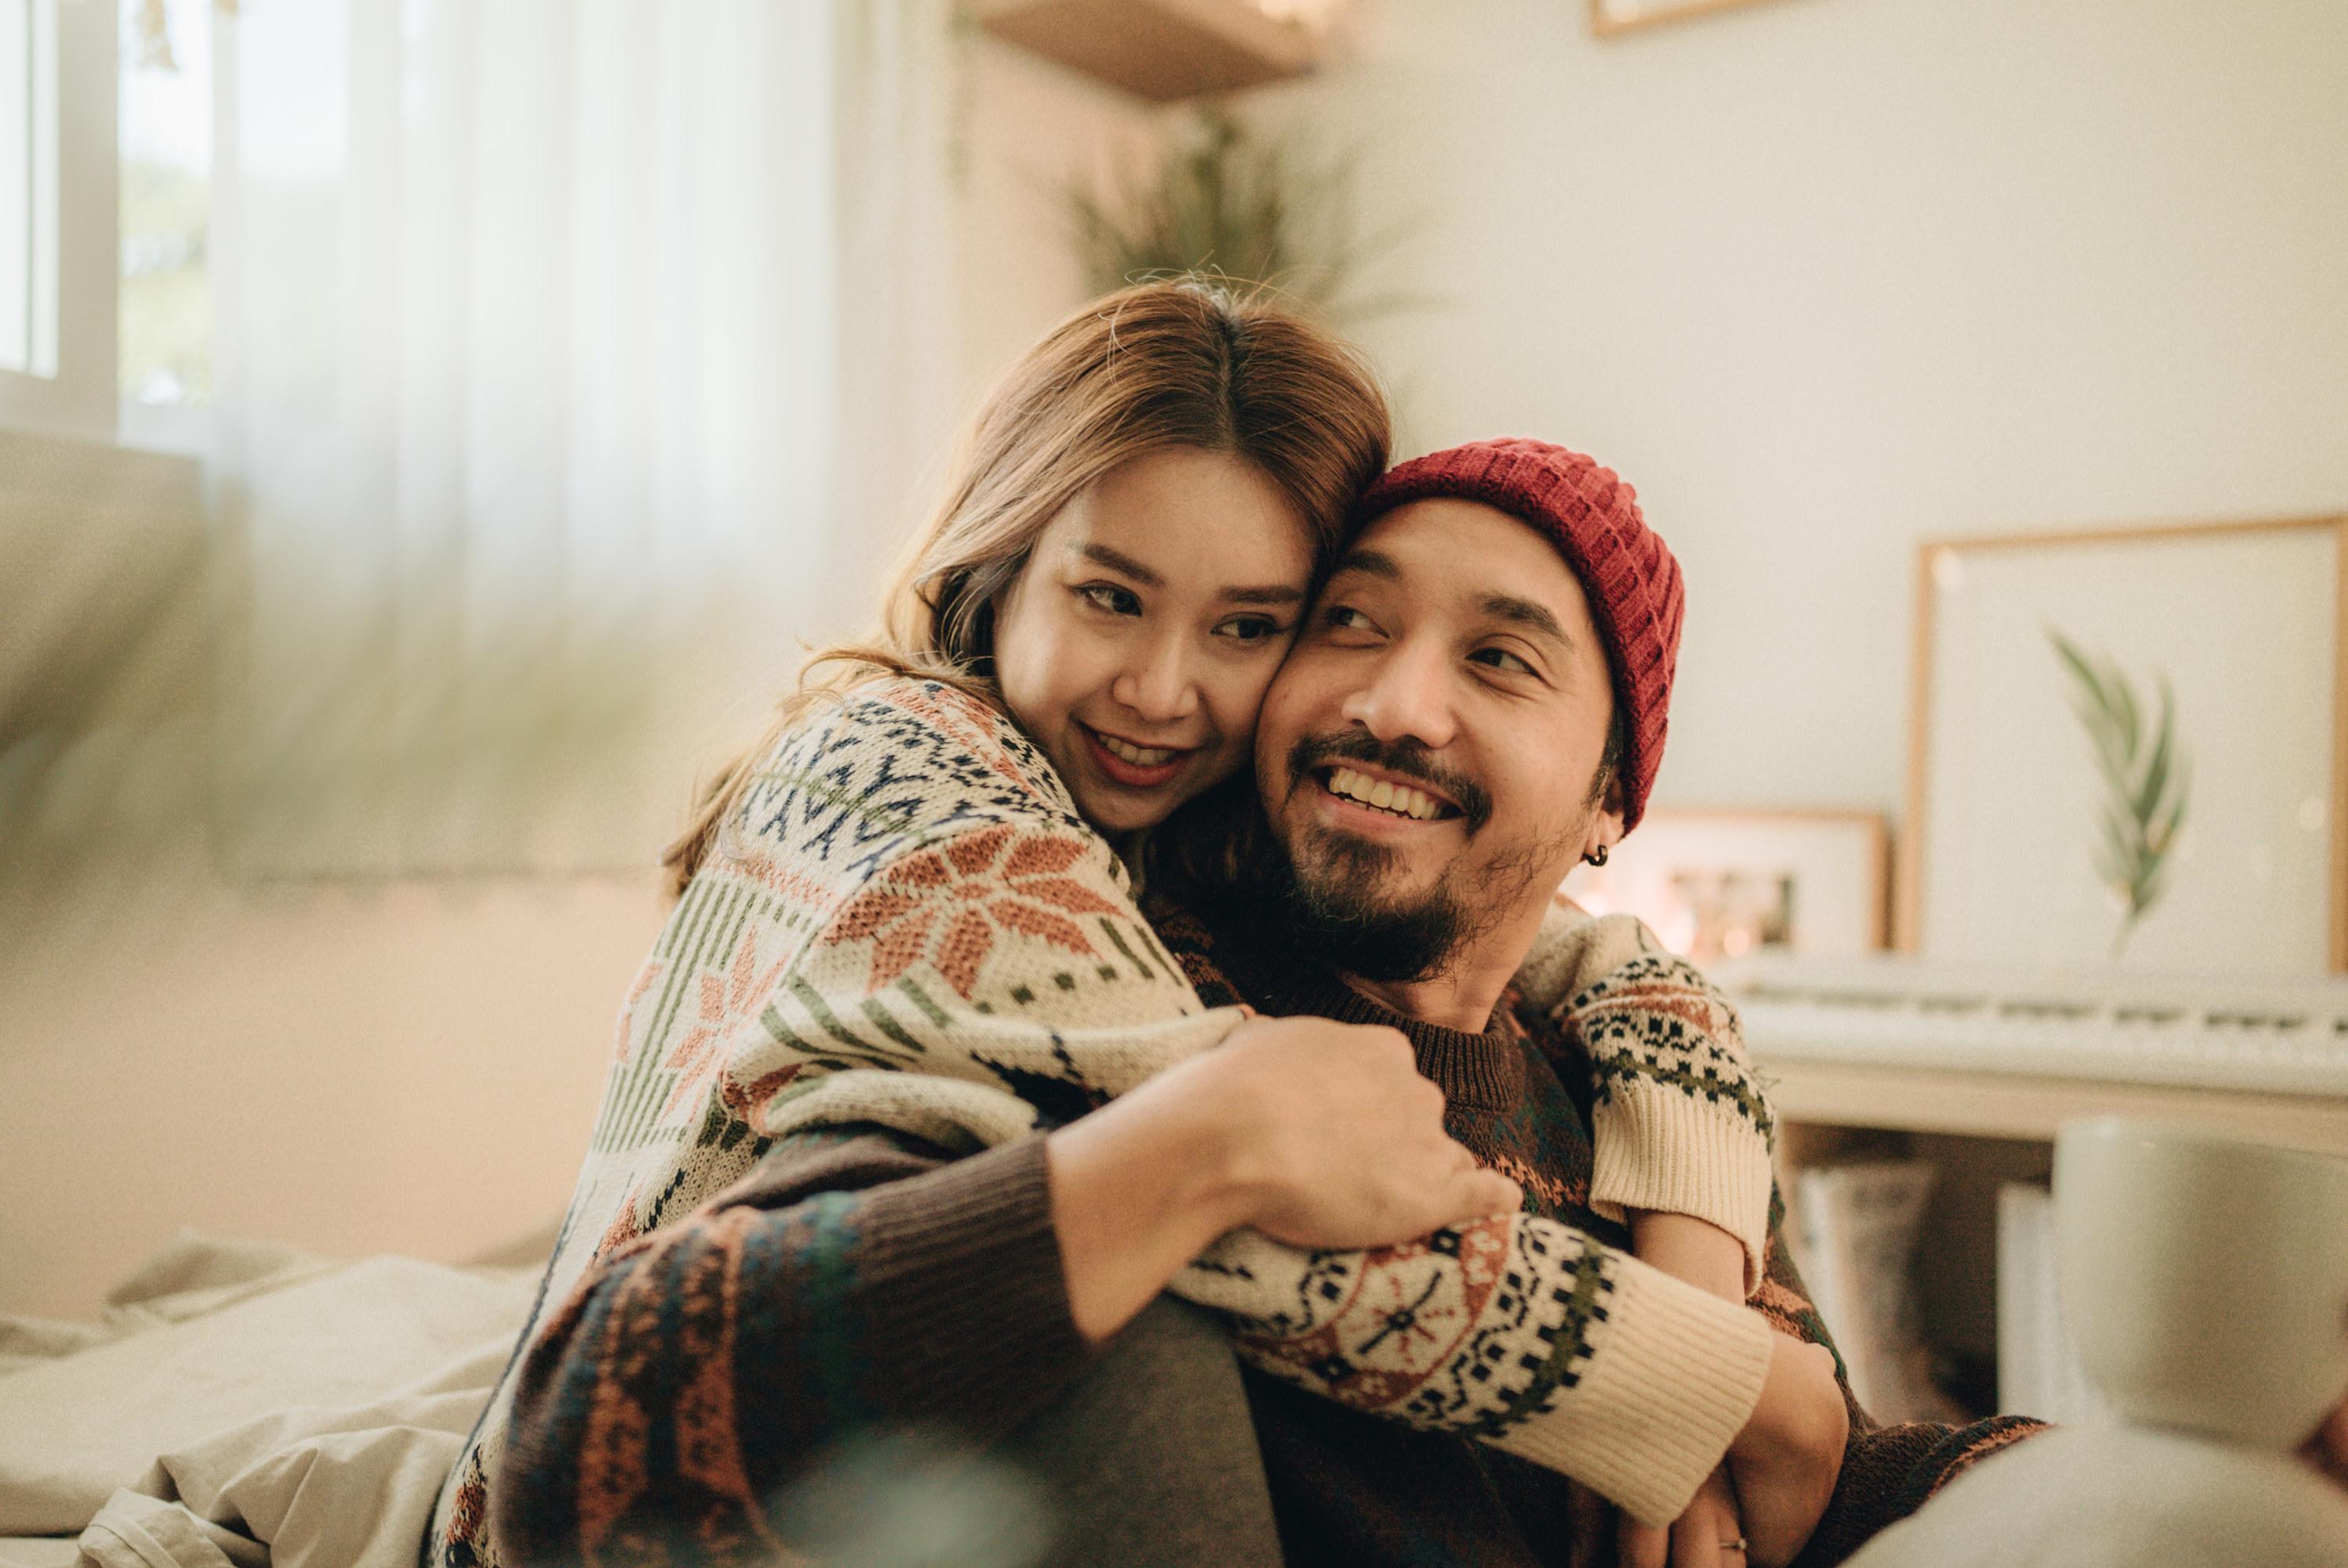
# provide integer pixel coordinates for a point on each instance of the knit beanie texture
(1633, 585)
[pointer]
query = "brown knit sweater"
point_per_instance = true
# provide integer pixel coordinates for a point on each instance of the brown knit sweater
(1352, 1492)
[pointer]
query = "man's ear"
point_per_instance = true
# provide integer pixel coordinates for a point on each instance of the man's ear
(1606, 827)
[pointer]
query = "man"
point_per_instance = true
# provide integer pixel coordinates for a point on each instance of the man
(1471, 649)
(1499, 637)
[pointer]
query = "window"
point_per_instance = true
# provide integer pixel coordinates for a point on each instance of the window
(28, 187)
(164, 326)
(57, 266)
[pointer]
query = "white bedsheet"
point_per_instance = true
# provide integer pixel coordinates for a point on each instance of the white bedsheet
(249, 1406)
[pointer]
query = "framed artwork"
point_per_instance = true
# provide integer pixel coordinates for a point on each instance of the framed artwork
(2127, 747)
(1608, 17)
(1717, 884)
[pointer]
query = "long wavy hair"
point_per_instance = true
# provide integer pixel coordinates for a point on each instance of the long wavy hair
(1189, 363)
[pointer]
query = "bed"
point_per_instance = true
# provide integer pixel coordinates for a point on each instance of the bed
(248, 1406)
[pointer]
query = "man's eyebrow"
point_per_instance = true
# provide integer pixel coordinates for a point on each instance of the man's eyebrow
(1117, 560)
(1368, 562)
(1526, 614)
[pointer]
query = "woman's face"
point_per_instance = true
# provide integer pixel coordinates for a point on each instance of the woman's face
(1136, 644)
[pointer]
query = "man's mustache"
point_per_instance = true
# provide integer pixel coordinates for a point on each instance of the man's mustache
(1409, 758)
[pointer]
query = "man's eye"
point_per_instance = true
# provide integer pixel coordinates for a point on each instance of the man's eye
(1108, 597)
(1501, 659)
(1345, 618)
(1250, 627)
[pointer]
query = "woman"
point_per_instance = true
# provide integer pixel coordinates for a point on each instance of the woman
(902, 878)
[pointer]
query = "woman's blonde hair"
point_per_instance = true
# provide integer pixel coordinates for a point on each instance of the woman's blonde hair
(1189, 363)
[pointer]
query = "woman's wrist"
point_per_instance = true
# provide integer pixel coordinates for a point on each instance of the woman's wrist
(1138, 1189)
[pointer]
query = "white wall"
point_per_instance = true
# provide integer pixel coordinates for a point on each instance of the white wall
(407, 1069)
(1824, 277)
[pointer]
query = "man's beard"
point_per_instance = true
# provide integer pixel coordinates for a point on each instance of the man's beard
(1330, 882)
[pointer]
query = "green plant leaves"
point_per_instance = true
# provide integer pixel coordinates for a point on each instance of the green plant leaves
(2146, 776)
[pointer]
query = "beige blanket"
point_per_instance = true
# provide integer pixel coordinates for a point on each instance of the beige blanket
(249, 1406)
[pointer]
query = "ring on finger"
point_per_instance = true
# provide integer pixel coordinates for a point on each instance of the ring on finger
(1735, 1545)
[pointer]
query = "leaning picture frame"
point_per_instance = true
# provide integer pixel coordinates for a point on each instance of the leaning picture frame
(2217, 650)
(1716, 885)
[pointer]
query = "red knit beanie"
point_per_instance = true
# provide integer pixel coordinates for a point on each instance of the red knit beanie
(1633, 585)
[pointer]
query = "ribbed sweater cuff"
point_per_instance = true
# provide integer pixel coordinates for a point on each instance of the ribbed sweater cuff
(1676, 1380)
(1659, 1148)
(975, 1277)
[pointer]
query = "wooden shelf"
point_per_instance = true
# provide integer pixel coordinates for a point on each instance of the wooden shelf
(1161, 50)
(2012, 1105)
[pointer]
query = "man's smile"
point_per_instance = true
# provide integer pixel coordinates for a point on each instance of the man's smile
(1389, 796)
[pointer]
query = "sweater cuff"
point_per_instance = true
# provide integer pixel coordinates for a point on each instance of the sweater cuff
(1677, 1380)
(1659, 1148)
(974, 1279)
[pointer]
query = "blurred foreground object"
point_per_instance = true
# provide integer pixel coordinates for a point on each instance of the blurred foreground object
(2205, 1279)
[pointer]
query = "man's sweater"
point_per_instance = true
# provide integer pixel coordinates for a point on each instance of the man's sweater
(1523, 1096)
(813, 1199)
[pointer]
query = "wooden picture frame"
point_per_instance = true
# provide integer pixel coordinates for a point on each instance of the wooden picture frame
(1609, 18)
(1716, 885)
(2249, 622)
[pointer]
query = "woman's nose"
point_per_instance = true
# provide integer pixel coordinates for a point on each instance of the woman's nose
(1155, 683)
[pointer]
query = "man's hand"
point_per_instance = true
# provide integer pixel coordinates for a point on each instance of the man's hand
(1786, 1461)
(1709, 1534)
(1319, 1135)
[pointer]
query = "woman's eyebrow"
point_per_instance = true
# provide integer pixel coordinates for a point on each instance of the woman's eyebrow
(1117, 560)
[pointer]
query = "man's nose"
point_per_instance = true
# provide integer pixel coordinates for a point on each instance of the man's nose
(1156, 681)
(1407, 697)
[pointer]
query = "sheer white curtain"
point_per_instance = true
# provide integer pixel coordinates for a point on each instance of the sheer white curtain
(563, 347)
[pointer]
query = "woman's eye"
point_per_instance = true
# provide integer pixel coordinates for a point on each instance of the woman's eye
(1108, 597)
(1345, 618)
(1501, 659)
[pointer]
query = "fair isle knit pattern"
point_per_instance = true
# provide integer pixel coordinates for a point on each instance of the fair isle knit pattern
(908, 924)
(1680, 1123)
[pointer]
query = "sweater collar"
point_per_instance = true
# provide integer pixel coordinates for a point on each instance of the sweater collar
(1476, 1072)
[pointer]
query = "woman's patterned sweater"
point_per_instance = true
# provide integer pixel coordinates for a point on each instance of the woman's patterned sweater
(908, 956)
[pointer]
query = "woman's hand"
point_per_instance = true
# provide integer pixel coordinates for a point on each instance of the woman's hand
(1786, 1461)
(1319, 1135)
(1707, 1535)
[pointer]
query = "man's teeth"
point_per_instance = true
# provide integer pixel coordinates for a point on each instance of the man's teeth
(1400, 799)
(1139, 756)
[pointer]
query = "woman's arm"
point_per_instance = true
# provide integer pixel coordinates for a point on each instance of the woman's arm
(1323, 1135)
(855, 1279)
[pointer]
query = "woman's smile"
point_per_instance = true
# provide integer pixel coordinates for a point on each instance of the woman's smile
(1131, 763)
